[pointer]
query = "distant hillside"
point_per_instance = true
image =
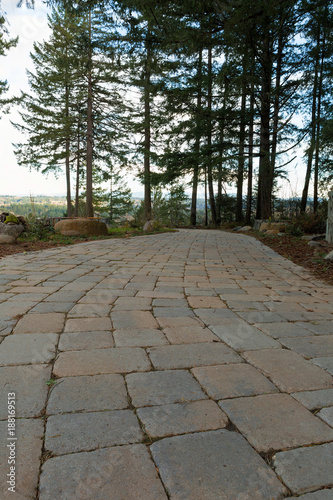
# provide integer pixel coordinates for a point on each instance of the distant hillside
(41, 206)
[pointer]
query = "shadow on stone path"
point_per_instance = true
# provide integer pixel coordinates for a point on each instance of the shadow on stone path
(189, 365)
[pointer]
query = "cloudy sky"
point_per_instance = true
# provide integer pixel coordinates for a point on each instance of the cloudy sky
(31, 26)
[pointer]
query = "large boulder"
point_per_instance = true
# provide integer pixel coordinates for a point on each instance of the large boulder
(150, 226)
(81, 227)
(9, 233)
(273, 227)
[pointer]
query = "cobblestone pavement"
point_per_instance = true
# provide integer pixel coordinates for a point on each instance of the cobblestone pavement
(188, 365)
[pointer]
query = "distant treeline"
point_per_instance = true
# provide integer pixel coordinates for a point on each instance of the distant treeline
(37, 209)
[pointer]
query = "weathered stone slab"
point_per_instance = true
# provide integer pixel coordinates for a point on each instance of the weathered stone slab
(93, 393)
(29, 385)
(173, 419)
(76, 341)
(25, 349)
(232, 381)
(215, 316)
(65, 296)
(161, 388)
(326, 494)
(52, 307)
(88, 324)
(133, 319)
(198, 302)
(190, 335)
(41, 323)
(242, 337)
(73, 432)
(189, 355)
(318, 327)
(261, 317)
(289, 371)
(326, 414)
(311, 347)
(325, 363)
(28, 450)
(275, 422)
(99, 361)
(139, 337)
(217, 465)
(93, 311)
(305, 469)
(172, 312)
(313, 400)
(277, 330)
(9, 310)
(120, 473)
(169, 303)
(132, 304)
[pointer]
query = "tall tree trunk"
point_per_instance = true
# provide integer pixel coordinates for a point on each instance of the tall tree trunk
(264, 161)
(250, 163)
(220, 164)
(209, 138)
(313, 131)
(77, 187)
(241, 149)
(206, 198)
(147, 130)
(193, 216)
(89, 187)
(318, 125)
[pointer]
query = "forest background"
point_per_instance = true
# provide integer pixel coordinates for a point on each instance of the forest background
(223, 95)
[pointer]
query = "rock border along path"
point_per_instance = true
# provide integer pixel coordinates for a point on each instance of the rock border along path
(186, 365)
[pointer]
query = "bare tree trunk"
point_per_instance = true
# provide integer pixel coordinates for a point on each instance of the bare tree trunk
(193, 216)
(220, 165)
(318, 125)
(147, 132)
(276, 105)
(209, 139)
(77, 187)
(241, 149)
(250, 163)
(89, 187)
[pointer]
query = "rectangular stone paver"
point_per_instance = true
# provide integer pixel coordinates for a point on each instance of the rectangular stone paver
(275, 422)
(88, 324)
(88, 393)
(326, 414)
(99, 361)
(133, 319)
(326, 494)
(242, 337)
(289, 371)
(161, 388)
(132, 304)
(210, 302)
(119, 473)
(76, 341)
(41, 323)
(73, 432)
(277, 330)
(91, 311)
(29, 384)
(182, 418)
(139, 337)
(190, 355)
(25, 349)
(28, 450)
(214, 465)
(312, 400)
(325, 363)
(311, 347)
(189, 335)
(305, 469)
(232, 381)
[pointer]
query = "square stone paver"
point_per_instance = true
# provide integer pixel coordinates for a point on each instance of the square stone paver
(28, 450)
(232, 381)
(139, 337)
(119, 473)
(93, 393)
(242, 337)
(133, 319)
(25, 349)
(182, 418)
(29, 385)
(189, 355)
(73, 432)
(277, 330)
(275, 422)
(41, 323)
(99, 361)
(161, 388)
(305, 469)
(217, 465)
(289, 371)
(190, 335)
(76, 341)
(88, 324)
(314, 400)
(311, 347)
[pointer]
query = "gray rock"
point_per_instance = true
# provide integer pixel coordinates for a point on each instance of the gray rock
(329, 256)
(9, 233)
(149, 226)
(314, 243)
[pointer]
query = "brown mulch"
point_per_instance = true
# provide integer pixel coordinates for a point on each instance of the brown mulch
(290, 247)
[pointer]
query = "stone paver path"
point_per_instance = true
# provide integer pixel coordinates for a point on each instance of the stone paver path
(191, 365)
